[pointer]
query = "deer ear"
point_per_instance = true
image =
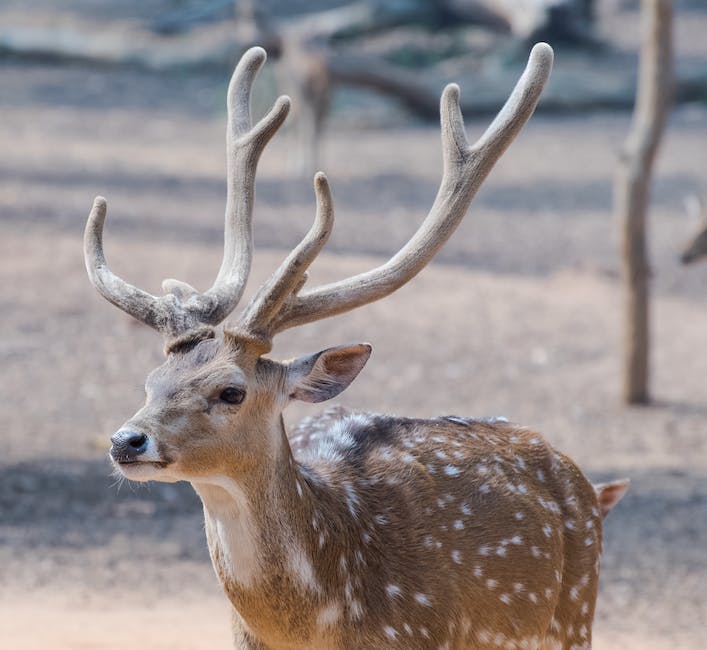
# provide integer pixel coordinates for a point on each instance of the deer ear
(609, 494)
(324, 375)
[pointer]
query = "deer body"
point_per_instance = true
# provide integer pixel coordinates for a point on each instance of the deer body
(361, 531)
(487, 540)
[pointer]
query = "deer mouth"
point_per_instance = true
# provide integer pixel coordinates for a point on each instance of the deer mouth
(124, 462)
(142, 470)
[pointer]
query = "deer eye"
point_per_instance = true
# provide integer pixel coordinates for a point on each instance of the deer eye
(232, 395)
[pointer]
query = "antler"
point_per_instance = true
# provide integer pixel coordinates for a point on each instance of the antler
(279, 306)
(184, 309)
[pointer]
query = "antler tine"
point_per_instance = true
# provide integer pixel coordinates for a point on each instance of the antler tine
(140, 304)
(172, 315)
(519, 106)
(244, 145)
(465, 168)
(290, 276)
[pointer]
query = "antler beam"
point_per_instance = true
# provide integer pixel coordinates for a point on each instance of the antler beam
(465, 168)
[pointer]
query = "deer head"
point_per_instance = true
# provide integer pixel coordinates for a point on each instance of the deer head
(214, 396)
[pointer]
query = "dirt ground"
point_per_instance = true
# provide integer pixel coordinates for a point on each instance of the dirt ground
(520, 316)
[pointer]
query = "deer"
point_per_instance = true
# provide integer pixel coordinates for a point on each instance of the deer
(358, 530)
(696, 248)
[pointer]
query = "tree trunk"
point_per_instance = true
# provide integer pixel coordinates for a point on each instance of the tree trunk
(632, 189)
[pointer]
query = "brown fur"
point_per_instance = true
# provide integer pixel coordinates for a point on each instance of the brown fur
(371, 531)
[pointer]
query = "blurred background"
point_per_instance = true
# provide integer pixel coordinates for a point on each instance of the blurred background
(520, 315)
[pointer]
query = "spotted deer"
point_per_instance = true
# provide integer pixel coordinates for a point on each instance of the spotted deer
(361, 530)
(696, 248)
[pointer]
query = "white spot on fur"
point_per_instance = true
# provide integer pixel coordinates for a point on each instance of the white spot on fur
(423, 599)
(451, 470)
(301, 567)
(392, 590)
(355, 610)
(457, 556)
(390, 632)
(352, 500)
(329, 614)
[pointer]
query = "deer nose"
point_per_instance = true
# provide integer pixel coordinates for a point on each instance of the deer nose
(128, 444)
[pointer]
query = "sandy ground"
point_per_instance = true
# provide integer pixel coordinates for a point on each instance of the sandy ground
(520, 317)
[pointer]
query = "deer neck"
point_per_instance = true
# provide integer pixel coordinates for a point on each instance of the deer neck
(260, 549)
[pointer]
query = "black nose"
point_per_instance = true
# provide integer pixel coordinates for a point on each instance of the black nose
(128, 444)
